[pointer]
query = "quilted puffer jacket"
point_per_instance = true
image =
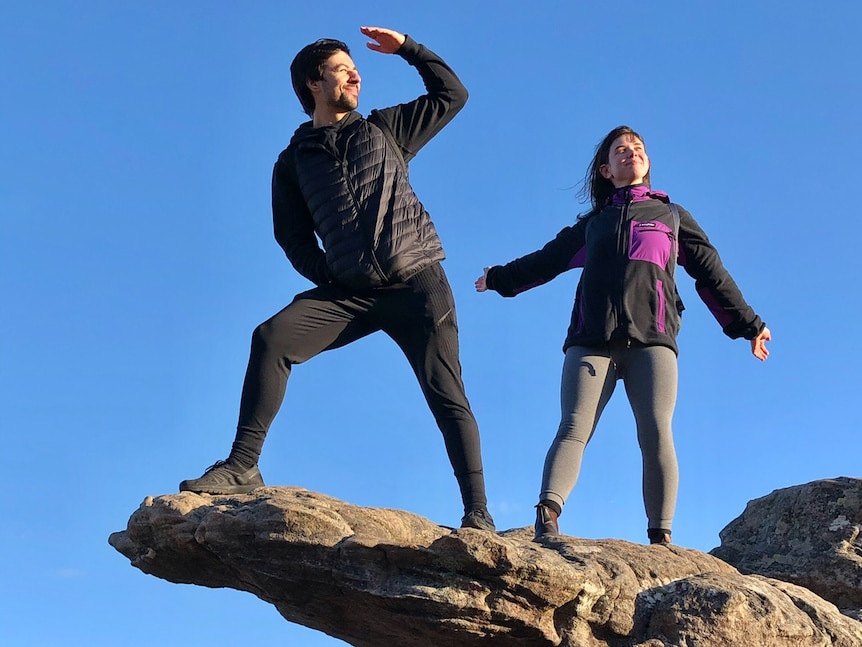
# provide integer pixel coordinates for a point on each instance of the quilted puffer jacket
(347, 186)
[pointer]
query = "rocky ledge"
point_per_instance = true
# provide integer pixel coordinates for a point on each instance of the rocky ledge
(375, 577)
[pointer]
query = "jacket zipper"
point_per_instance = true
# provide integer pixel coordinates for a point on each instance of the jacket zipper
(369, 236)
(622, 241)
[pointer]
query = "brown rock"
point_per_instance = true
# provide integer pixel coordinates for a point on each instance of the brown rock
(810, 535)
(376, 577)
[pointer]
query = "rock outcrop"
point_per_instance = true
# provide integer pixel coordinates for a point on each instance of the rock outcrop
(810, 535)
(377, 577)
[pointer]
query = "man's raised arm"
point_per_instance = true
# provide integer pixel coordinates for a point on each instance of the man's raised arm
(413, 124)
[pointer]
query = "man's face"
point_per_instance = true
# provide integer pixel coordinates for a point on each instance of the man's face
(339, 87)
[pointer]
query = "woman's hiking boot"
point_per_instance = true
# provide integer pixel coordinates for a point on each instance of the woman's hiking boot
(658, 535)
(546, 520)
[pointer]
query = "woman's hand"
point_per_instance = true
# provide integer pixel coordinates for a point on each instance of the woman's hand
(481, 285)
(388, 41)
(758, 344)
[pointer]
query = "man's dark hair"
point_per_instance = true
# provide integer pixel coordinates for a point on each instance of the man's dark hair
(308, 66)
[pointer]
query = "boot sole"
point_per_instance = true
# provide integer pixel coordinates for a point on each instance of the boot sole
(228, 489)
(477, 527)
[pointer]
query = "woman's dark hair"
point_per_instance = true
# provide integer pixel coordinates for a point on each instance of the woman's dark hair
(307, 66)
(596, 187)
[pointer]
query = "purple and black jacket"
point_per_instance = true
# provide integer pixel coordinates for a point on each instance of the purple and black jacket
(629, 251)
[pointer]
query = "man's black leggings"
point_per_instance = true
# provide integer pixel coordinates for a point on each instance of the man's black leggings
(418, 315)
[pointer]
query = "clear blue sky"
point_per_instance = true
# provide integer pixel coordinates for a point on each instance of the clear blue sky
(136, 257)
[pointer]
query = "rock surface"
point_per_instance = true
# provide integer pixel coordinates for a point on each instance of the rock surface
(810, 535)
(375, 577)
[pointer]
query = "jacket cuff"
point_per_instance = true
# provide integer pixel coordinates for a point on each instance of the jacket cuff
(748, 332)
(489, 278)
(324, 277)
(409, 49)
(757, 330)
(494, 282)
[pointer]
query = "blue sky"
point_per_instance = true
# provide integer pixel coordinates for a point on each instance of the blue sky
(136, 257)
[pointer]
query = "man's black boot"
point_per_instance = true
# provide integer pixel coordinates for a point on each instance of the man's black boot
(478, 517)
(223, 477)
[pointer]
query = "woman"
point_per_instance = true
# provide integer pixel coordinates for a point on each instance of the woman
(625, 320)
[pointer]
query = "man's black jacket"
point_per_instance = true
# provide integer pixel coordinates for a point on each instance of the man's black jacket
(346, 187)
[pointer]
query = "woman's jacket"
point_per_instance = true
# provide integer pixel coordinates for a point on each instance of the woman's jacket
(629, 252)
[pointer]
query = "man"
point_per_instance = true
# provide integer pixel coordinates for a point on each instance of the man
(343, 180)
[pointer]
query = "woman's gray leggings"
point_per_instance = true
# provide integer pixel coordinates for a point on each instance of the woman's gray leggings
(649, 374)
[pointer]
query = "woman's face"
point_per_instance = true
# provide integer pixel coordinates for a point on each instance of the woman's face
(627, 161)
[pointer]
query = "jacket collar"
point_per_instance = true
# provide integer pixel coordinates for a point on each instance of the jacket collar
(635, 193)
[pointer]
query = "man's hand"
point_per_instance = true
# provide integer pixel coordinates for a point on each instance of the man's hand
(388, 41)
(758, 344)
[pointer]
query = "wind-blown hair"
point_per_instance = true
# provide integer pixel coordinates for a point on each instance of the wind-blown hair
(596, 187)
(307, 66)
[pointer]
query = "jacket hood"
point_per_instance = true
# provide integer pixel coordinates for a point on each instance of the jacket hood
(308, 131)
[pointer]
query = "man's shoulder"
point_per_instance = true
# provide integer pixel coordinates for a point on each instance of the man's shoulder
(286, 155)
(375, 118)
(303, 131)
